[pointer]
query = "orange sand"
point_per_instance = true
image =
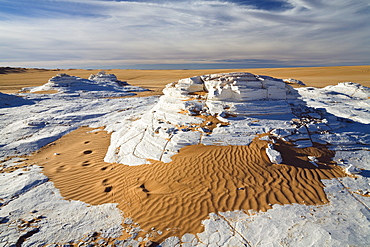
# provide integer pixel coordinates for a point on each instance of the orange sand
(46, 92)
(175, 197)
(155, 80)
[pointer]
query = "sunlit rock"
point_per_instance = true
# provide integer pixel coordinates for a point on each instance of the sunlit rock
(102, 77)
(197, 110)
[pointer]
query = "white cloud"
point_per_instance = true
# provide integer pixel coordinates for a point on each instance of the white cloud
(121, 33)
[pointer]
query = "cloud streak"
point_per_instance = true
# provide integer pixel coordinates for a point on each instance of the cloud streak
(119, 34)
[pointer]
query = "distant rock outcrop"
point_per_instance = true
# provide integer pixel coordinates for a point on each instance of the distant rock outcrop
(99, 85)
(294, 81)
(102, 77)
(9, 70)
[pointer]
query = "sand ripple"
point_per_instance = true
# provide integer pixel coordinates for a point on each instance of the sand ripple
(175, 197)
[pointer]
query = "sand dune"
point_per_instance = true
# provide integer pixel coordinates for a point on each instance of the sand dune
(174, 197)
(12, 82)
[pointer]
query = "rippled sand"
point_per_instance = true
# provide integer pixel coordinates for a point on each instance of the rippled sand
(175, 197)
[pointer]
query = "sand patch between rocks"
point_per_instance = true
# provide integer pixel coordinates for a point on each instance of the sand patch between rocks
(174, 197)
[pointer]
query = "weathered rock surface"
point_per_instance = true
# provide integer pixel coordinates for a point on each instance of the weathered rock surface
(203, 109)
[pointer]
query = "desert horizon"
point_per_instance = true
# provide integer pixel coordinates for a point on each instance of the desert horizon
(156, 80)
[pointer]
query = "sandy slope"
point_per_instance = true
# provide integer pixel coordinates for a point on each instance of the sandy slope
(11, 82)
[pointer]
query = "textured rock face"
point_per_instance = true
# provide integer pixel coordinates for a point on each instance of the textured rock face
(354, 100)
(61, 80)
(70, 98)
(230, 86)
(98, 85)
(197, 110)
(102, 77)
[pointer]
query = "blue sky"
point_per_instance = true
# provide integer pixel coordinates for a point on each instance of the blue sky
(184, 34)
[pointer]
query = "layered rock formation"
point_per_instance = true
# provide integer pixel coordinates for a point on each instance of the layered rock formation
(201, 110)
(230, 87)
(102, 77)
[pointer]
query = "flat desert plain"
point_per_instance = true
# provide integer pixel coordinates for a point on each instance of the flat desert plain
(12, 81)
(87, 164)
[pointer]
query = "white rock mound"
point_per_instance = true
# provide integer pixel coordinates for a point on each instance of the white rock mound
(274, 155)
(102, 77)
(99, 85)
(196, 110)
(346, 100)
(230, 86)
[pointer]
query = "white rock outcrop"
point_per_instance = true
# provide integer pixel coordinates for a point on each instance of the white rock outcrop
(229, 86)
(274, 155)
(177, 119)
(346, 100)
(102, 77)
(101, 84)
